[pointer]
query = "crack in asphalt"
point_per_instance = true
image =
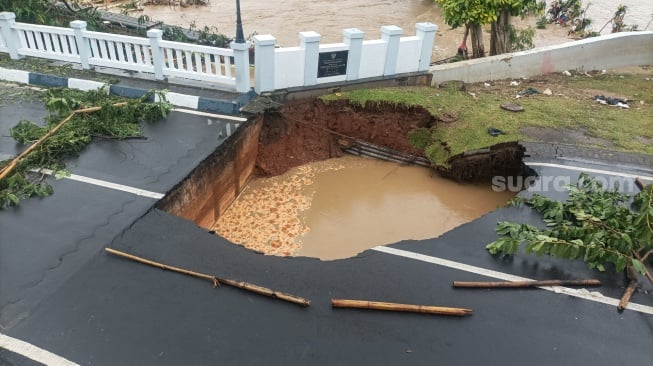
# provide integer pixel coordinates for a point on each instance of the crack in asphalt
(75, 248)
(169, 168)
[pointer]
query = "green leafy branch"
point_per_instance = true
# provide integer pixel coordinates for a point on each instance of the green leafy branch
(75, 118)
(596, 225)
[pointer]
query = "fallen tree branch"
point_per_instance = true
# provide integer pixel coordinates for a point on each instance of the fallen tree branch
(390, 306)
(625, 299)
(12, 165)
(217, 280)
(524, 284)
(643, 260)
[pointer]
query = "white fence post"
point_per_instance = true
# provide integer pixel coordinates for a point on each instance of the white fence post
(426, 33)
(79, 27)
(264, 67)
(155, 36)
(310, 42)
(241, 61)
(7, 20)
(353, 37)
(391, 34)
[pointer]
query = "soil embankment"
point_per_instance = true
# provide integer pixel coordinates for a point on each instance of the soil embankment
(300, 133)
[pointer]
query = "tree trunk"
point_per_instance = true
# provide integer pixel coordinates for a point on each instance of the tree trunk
(478, 48)
(500, 34)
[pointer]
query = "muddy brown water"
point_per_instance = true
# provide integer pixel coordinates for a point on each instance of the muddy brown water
(340, 207)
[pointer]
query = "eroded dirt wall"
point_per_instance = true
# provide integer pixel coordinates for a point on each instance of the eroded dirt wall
(503, 159)
(300, 133)
(211, 188)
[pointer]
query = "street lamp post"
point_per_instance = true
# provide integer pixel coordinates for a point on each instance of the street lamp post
(240, 48)
(240, 37)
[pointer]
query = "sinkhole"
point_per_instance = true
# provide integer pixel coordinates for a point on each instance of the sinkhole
(289, 183)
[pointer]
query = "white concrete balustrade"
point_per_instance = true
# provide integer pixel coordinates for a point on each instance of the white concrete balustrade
(150, 55)
(308, 65)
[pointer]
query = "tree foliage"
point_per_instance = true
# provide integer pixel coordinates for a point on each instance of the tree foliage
(457, 13)
(596, 225)
(48, 12)
(474, 13)
(110, 121)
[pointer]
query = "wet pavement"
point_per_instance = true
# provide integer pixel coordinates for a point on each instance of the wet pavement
(61, 292)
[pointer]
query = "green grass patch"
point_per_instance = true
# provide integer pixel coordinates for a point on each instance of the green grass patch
(571, 110)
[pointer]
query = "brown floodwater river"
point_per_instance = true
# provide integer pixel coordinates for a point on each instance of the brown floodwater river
(340, 207)
(284, 19)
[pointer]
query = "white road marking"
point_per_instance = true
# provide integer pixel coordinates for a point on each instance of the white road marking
(590, 170)
(603, 163)
(32, 352)
(110, 185)
(580, 293)
(206, 114)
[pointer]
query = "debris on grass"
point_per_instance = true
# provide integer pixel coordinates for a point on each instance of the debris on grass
(528, 91)
(615, 102)
(512, 107)
(495, 131)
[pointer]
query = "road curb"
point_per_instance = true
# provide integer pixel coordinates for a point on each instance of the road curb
(213, 105)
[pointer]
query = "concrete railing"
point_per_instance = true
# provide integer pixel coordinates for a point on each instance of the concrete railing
(597, 53)
(313, 63)
(3, 46)
(150, 55)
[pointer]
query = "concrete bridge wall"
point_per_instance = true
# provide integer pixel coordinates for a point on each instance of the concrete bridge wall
(597, 53)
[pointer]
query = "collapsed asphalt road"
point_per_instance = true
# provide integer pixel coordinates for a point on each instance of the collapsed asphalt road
(59, 291)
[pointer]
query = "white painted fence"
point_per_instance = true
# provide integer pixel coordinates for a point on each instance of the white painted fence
(3, 46)
(288, 67)
(308, 65)
(150, 55)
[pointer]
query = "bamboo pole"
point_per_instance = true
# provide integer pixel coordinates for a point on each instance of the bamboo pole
(217, 280)
(524, 284)
(11, 166)
(390, 306)
(213, 279)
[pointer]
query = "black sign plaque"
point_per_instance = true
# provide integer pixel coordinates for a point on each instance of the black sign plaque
(332, 64)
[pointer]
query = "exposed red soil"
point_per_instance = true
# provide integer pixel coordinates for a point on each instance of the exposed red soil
(300, 133)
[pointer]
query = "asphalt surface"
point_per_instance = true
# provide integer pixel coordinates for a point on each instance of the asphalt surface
(55, 236)
(60, 291)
